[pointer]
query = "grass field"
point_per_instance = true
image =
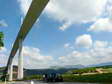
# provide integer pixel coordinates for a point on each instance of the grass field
(91, 74)
(106, 77)
(108, 70)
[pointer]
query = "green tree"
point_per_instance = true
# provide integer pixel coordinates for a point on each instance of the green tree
(1, 39)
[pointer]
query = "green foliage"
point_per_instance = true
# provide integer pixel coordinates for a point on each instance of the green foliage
(37, 77)
(85, 70)
(78, 76)
(1, 39)
(107, 77)
(105, 67)
(1, 35)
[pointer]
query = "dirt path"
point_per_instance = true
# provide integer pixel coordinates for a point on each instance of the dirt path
(99, 70)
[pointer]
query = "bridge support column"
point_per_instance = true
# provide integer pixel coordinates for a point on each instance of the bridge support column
(20, 61)
(10, 72)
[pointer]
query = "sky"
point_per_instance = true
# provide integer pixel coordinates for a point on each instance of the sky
(68, 32)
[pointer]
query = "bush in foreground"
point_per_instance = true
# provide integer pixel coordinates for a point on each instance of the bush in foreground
(37, 77)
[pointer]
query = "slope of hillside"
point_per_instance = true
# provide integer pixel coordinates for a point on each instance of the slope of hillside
(91, 74)
(101, 64)
(67, 67)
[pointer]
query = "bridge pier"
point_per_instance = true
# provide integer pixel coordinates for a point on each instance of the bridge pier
(20, 61)
(10, 72)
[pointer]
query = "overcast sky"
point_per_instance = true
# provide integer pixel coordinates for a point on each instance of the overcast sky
(68, 32)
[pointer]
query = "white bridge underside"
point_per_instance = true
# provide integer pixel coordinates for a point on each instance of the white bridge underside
(34, 12)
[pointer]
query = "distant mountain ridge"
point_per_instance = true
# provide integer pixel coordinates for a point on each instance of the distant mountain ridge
(101, 64)
(67, 67)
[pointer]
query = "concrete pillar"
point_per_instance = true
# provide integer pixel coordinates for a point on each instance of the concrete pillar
(20, 61)
(10, 72)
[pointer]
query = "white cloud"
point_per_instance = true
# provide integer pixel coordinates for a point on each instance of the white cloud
(75, 10)
(100, 52)
(84, 41)
(75, 58)
(66, 45)
(34, 59)
(103, 24)
(3, 56)
(93, 56)
(3, 23)
(3, 49)
(108, 8)
(24, 5)
(100, 44)
(72, 11)
(65, 26)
